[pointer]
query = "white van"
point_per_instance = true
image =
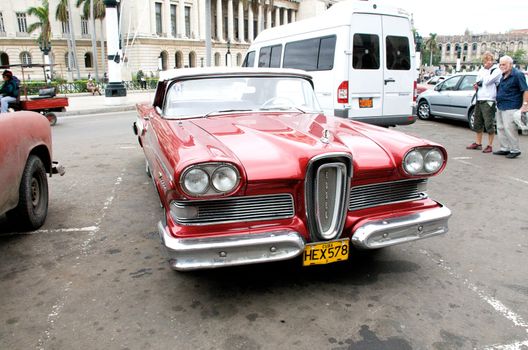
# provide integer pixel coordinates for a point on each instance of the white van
(360, 54)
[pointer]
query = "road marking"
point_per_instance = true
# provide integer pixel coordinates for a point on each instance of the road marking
(462, 158)
(496, 304)
(58, 230)
(52, 317)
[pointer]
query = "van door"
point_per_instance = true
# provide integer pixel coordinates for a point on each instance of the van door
(365, 81)
(398, 77)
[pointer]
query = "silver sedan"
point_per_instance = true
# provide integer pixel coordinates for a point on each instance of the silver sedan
(453, 98)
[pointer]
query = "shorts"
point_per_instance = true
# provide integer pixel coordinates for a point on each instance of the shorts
(485, 116)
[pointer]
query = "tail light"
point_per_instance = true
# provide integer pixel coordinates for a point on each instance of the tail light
(415, 92)
(342, 92)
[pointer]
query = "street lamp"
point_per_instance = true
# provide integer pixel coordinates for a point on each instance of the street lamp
(45, 47)
(201, 61)
(228, 54)
(115, 87)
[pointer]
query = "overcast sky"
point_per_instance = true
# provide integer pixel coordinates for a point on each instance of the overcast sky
(452, 17)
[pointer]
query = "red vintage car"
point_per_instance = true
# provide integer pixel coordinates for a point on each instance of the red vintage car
(25, 158)
(248, 171)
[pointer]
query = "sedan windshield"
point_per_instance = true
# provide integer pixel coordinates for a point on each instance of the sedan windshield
(210, 96)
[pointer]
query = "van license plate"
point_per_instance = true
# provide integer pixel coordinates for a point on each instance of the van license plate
(325, 253)
(365, 102)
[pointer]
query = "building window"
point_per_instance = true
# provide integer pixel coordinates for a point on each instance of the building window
(158, 19)
(25, 58)
(448, 48)
(192, 59)
(238, 59)
(2, 27)
(246, 30)
(67, 60)
(217, 59)
(4, 59)
(65, 28)
(173, 19)
(474, 47)
(84, 26)
(22, 23)
(188, 21)
(237, 35)
(88, 60)
(224, 25)
(179, 59)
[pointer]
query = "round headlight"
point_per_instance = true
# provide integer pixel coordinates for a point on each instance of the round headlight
(196, 181)
(433, 161)
(224, 178)
(413, 162)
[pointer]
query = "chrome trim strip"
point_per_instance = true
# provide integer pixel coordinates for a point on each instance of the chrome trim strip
(212, 252)
(402, 229)
(380, 189)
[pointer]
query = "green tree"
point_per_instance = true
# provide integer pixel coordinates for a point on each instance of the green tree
(94, 9)
(42, 24)
(519, 56)
(431, 46)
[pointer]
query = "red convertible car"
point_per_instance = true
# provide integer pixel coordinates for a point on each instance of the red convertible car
(25, 158)
(248, 171)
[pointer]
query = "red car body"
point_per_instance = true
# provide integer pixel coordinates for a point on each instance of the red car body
(25, 158)
(283, 153)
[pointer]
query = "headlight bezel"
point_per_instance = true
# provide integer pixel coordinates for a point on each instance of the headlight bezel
(426, 153)
(210, 168)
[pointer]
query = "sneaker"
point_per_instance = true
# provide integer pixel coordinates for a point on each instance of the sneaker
(474, 145)
(488, 149)
(501, 153)
(512, 155)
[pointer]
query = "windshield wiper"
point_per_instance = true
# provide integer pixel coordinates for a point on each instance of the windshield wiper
(227, 111)
(283, 108)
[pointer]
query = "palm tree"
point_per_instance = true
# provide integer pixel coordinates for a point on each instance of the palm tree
(88, 12)
(431, 45)
(62, 14)
(43, 24)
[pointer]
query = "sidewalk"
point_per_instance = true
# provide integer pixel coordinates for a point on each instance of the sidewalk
(85, 103)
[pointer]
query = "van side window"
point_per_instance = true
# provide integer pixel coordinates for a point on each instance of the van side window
(366, 51)
(398, 53)
(311, 54)
(249, 60)
(270, 56)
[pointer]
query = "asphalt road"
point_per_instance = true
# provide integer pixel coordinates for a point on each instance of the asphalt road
(94, 276)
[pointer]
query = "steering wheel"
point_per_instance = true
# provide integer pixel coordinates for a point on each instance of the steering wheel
(272, 101)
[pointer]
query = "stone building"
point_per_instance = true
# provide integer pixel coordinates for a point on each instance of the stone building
(473, 46)
(156, 34)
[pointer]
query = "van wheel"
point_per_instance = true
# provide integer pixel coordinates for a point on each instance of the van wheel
(471, 118)
(32, 207)
(424, 110)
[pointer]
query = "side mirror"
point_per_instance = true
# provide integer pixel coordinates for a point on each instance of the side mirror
(159, 111)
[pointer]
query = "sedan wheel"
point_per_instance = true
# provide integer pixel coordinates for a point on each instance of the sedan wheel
(424, 111)
(471, 119)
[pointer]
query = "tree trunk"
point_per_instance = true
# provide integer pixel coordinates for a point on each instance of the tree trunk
(94, 41)
(103, 58)
(431, 58)
(72, 35)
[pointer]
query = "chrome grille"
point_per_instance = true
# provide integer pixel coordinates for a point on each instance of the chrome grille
(237, 209)
(386, 193)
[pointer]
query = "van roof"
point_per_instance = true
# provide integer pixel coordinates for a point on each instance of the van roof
(337, 15)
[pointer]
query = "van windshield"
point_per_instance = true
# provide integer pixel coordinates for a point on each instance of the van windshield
(206, 96)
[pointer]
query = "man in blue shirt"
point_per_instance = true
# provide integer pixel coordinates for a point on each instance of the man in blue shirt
(512, 96)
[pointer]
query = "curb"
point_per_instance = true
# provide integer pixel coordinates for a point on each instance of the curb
(109, 109)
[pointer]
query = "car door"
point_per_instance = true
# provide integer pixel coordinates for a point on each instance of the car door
(461, 97)
(439, 101)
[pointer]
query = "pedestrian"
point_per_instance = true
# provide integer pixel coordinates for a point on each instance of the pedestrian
(9, 91)
(486, 83)
(512, 96)
(90, 86)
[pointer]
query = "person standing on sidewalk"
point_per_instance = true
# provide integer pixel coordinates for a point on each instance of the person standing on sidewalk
(512, 95)
(486, 85)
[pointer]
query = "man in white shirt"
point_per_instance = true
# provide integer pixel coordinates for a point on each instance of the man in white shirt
(488, 77)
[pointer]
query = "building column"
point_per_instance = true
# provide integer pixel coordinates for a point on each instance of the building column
(230, 21)
(293, 16)
(268, 17)
(277, 16)
(153, 17)
(181, 19)
(219, 21)
(200, 20)
(241, 37)
(166, 18)
(285, 16)
(260, 17)
(250, 24)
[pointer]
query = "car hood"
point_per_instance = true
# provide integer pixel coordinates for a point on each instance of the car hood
(279, 145)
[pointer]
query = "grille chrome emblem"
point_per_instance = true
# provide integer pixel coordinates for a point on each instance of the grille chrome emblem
(326, 136)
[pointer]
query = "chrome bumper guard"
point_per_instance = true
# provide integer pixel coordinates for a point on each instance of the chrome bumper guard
(203, 253)
(57, 168)
(403, 229)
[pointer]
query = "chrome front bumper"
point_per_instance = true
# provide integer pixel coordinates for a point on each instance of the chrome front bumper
(211, 252)
(204, 253)
(402, 229)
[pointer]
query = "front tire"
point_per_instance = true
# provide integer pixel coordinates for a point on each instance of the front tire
(424, 110)
(52, 118)
(32, 207)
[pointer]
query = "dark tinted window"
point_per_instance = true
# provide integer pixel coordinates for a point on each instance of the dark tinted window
(366, 51)
(312, 54)
(249, 61)
(275, 59)
(398, 53)
(264, 56)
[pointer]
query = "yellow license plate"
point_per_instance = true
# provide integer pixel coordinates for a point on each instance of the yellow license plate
(325, 253)
(365, 102)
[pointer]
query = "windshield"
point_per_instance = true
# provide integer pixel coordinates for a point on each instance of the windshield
(207, 96)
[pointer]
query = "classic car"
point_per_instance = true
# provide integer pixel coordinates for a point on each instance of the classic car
(25, 158)
(248, 170)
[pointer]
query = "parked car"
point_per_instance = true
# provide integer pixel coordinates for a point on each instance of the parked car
(249, 171)
(25, 158)
(437, 79)
(453, 98)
